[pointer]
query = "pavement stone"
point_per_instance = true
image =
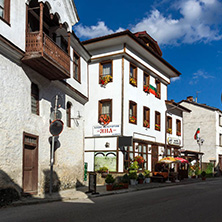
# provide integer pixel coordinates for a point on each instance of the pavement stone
(81, 192)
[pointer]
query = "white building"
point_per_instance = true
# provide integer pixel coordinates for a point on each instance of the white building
(40, 58)
(209, 120)
(128, 81)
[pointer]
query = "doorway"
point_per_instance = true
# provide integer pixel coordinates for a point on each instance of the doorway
(30, 163)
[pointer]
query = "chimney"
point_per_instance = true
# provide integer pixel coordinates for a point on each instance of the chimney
(190, 98)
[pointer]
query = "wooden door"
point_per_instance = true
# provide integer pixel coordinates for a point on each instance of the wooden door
(154, 156)
(30, 163)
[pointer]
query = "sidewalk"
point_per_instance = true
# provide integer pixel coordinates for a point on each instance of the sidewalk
(79, 193)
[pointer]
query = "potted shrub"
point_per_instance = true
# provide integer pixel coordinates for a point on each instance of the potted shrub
(140, 178)
(125, 180)
(109, 182)
(133, 176)
(147, 176)
(104, 171)
(203, 175)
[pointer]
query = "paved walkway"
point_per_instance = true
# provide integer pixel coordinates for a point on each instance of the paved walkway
(80, 192)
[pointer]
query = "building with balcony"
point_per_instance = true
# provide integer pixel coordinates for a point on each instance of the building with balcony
(41, 60)
(127, 108)
(209, 120)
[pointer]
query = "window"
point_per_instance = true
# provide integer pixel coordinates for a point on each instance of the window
(76, 67)
(143, 151)
(176, 152)
(146, 117)
(157, 121)
(146, 82)
(168, 151)
(169, 125)
(105, 72)
(133, 75)
(68, 114)
(178, 122)
(158, 90)
(35, 99)
(5, 10)
(132, 112)
(128, 156)
(105, 111)
(220, 120)
(220, 140)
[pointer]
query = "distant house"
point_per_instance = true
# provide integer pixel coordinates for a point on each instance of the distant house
(127, 108)
(209, 120)
(41, 58)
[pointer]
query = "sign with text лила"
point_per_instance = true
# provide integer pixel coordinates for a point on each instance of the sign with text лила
(110, 130)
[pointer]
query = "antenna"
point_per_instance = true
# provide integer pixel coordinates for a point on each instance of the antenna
(197, 95)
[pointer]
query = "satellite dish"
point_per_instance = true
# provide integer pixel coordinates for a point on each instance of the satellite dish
(56, 127)
(55, 115)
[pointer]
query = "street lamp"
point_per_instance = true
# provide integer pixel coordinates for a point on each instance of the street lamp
(200, 142)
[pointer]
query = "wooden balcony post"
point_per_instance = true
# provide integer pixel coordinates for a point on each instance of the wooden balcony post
(41, 25)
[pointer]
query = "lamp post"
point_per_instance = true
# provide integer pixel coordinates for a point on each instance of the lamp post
(200, 142)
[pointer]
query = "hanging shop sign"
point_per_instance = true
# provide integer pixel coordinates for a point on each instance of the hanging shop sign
(110, 130)
(173, 141)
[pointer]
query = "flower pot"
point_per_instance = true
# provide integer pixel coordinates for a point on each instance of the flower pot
(109, 187)
(104, 175)
(147, 180)
(140, 181)
(133, 182)
(203, 178)
(125, 185)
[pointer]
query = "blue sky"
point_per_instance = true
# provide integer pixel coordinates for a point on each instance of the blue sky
(189, 33)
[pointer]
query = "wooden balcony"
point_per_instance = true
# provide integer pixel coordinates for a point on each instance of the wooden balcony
(46, 57)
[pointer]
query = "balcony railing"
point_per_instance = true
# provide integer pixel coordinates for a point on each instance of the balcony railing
(52, 58)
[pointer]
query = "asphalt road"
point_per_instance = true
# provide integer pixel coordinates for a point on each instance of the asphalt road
(201, 202)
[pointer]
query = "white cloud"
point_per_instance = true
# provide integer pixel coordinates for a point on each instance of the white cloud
(200, 74)
(175, 79)
(198, 20)
(94, 31)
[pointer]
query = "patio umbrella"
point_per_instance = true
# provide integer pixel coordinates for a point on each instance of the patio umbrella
(182, 160)
(169, 160)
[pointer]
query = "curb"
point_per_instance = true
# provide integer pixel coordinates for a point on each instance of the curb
(102, 194)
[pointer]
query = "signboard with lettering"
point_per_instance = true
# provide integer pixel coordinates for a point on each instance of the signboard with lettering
(173, 141)
(110, 130)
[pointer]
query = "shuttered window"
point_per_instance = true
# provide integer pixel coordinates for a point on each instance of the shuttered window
(178, 125)
(132, 112)
(76, 67)
(157, 121)
(5, 10)
(35, 99)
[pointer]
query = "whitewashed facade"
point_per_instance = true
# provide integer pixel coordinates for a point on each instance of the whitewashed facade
(126, 52)
(24, 132)
(209, 120)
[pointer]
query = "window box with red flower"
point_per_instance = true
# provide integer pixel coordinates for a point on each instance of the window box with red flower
(146, 88)
(105, 80)
(178, 133)
(157, 127)
(169, 130)
(104, 119)
(133, 81)
(146, 124)
(132, 119)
